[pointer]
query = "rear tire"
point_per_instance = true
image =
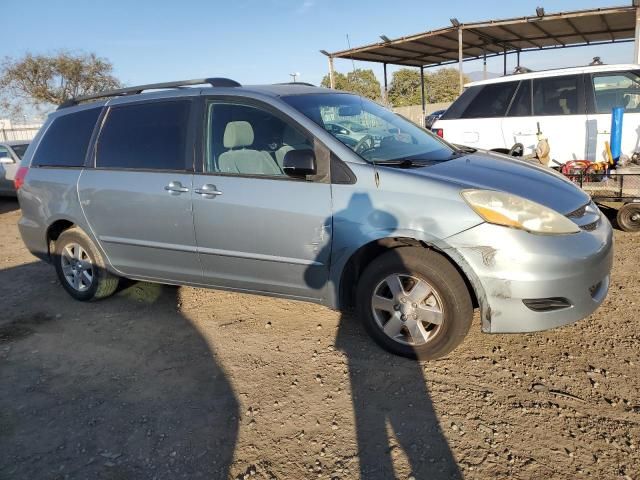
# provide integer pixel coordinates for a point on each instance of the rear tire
(428, 316)
(628, 217)
(81, 268)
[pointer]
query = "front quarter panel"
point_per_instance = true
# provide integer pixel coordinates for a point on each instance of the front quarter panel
(398, 205)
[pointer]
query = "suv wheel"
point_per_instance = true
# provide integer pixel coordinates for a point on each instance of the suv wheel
(414, 303)
(80, 267)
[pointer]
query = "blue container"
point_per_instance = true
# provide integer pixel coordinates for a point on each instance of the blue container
(616, 133)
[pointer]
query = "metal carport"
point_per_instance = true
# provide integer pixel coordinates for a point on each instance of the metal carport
(462, 42)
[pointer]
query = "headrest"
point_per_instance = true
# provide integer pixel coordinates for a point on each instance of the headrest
(291, 136)
(238, 134)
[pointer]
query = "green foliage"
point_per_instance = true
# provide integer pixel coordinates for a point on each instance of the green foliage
(360, 81)
(440, 86)
(52, 79)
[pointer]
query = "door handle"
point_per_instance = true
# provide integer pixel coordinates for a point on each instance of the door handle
(208, 191)
(175, 188)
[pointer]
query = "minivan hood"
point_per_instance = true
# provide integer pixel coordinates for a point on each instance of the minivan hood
(490, 171)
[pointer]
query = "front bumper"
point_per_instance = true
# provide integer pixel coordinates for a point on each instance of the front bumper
(507, 266)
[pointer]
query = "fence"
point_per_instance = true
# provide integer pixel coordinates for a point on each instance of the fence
(414, 112)
(9, 134)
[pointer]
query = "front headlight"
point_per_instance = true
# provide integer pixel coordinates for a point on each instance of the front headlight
(513, 211)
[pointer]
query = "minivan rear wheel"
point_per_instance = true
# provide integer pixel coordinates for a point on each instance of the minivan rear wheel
(81, 268)
(414, 303)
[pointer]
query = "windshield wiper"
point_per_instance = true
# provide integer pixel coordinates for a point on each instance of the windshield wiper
(465, 149)
(401, 162)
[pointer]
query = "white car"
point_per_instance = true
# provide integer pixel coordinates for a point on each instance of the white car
(571, 105)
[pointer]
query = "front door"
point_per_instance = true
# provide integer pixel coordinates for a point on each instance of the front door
(256, 228)
(137, 199)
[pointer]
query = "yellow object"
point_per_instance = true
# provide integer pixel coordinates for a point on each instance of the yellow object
(607, 148)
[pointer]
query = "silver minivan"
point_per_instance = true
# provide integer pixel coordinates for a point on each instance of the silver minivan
(242, 188)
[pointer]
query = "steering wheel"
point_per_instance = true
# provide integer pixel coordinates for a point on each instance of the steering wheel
(364, 144)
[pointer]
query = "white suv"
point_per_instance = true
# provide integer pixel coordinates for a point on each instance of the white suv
(572, 105)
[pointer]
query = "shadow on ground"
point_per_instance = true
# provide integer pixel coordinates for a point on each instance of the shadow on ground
(123, 388)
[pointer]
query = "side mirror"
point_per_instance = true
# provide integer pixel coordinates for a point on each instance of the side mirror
(6, 160)
(299, 163)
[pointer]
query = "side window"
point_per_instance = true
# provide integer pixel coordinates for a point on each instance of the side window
(617, 90)
(149, 136)
(66, 140)
(556, 95)
(4, 152)
(247, 140)
(521, 106)
(492, 101)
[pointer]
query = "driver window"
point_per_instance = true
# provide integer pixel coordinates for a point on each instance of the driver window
(246, 140)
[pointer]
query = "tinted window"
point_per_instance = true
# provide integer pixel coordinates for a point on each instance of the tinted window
(555, 96)
(492, 101)
(145, 136)
(4, 152)
(246, 140)
(66, 140)
(20, 150)
(458, 107)
(521, 105)
(617, 90)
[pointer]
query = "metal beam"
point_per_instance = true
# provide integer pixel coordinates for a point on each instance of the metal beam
(460, 60)
(520, 38)
(332, 79)
(386, 90)
(546, 34)
(636, 53)
(422, 121)
(573, 27)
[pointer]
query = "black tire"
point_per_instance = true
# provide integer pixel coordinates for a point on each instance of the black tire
(441, 275)
(628, 217)
(102, 283)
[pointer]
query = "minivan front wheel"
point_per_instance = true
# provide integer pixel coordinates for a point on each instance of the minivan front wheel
(81, 268)
(414, 303)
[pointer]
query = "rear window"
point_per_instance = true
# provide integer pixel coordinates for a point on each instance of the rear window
(492, 101)
(458, 107)
(66, 140)
(149, 136)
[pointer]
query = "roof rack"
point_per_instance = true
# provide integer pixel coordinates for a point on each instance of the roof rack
(214, 82)
(302, 84)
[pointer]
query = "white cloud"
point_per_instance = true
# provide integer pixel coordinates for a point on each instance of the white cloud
(306, 5)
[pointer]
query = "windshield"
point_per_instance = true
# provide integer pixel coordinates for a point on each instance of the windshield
(382, 136)
(20, 149)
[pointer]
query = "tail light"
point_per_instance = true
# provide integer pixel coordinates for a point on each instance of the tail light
(439, 132)
(18, 181)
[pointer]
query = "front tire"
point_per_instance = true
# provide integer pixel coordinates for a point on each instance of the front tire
(414, 303)
(81, 268)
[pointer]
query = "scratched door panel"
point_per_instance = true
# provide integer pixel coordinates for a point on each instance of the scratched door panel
(264, 234)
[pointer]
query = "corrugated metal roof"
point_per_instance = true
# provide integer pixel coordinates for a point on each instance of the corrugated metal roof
(552, 30)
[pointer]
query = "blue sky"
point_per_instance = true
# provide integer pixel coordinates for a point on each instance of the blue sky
(256, 41)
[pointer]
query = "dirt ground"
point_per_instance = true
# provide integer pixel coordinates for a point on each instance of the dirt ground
(170, 383)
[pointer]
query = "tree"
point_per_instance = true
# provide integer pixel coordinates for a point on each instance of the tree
(440, 86)
(360, 81)
(46, 80)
